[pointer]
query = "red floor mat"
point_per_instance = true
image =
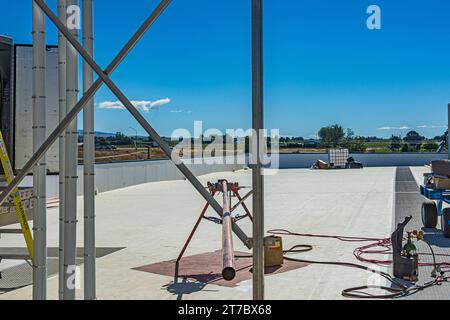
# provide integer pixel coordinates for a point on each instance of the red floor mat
(207, 268)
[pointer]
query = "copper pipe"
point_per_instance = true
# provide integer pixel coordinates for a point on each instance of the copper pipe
(229, 270)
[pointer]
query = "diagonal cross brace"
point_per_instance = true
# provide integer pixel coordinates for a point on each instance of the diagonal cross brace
(83, 101)
(104, 78)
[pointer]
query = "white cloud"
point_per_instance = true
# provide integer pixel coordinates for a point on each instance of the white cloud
(110, 105)
(141, 105)
(431, 127)
(395, 128)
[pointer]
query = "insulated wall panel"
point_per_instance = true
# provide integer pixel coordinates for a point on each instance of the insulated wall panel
(24, 105)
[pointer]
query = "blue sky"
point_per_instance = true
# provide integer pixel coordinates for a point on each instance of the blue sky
(322, 64)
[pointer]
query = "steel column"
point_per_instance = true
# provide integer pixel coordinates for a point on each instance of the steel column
(70, 219)
(228, 270)
(258, 125)
(89, 160)
(39, 173)
(141, 120)
(62, 13)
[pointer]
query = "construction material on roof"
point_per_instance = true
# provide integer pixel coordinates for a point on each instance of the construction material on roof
(338, 159)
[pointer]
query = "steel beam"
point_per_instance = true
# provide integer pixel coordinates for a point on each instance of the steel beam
(228, 270)
(62, 13)
(39, 173)
(72, 114)
(89, 160)
(70, 212)
(258, 136)
(141, 120)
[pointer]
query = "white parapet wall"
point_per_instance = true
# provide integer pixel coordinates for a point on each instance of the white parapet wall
(113, 176)
(305, 160)
(122, 175)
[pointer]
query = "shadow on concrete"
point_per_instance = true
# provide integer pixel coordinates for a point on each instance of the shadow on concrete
(21, 275)
(435, 238)
(186, 286)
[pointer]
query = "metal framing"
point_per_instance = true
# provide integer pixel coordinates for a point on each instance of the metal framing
(139, 118)
(69, 123)
(258, 135)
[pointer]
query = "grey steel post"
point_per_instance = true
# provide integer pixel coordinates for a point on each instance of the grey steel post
(229, 269)
(140, 119)
(62, 146)
(89, 159)
(70, 219)
(71, 114)
(258, 125)
(39, 173)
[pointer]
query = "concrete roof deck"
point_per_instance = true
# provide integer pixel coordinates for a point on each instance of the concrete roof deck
(152, 221)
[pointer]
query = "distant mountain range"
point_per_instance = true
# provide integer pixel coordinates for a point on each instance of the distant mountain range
(99, 134)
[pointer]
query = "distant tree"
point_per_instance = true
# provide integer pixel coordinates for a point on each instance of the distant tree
(414, 136)
(430, 146)
(350, 134)
(395, 145)
(405, 148)
(120, 139)
(331, 136)
(367, 139)
(440, 138)
(354, 146)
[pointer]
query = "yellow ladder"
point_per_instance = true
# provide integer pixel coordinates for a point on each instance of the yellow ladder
(17, 199)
